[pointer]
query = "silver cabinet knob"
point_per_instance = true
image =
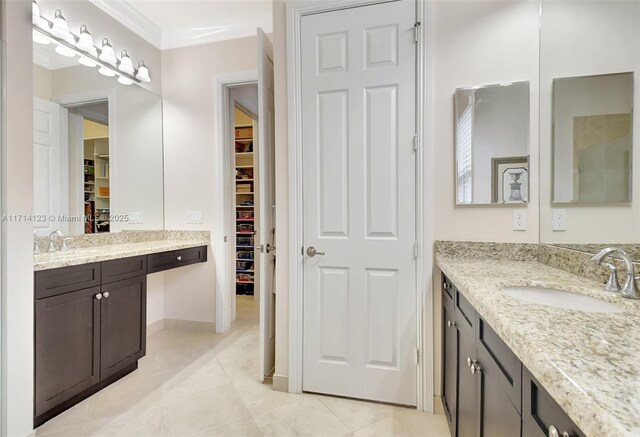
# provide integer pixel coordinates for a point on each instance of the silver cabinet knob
(553, 431)
(311, 251)
(450, 324)
(475, 367)
(469, 361)
(179, 258)
(99, 296)
(105, 294)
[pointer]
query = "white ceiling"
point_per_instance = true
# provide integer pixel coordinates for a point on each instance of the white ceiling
(177, 23)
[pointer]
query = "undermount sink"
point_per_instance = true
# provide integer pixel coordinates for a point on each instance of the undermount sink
(561, 299)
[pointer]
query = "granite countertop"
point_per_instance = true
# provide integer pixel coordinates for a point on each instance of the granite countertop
(588, 362)
(84, 255)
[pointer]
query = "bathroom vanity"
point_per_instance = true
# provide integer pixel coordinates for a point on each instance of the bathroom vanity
(515, 367)
(90, 316)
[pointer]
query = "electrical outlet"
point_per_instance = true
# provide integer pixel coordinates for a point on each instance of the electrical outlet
(519, 220)
(559, 219)
(135, 218)
(194, 217)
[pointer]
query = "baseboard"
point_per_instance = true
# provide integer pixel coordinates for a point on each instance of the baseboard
(438, 408)
(189, 325)
(154, 327)
(281, 383)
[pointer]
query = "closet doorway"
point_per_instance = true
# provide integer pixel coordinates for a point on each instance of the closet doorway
(247, 203)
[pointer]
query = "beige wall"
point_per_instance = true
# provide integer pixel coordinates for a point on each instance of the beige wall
(42, 82)
(190, 168)
(17, 198)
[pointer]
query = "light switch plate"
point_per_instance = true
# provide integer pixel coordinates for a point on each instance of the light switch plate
(135, 218)
(194, 217)
(559, 219)
(520, 220)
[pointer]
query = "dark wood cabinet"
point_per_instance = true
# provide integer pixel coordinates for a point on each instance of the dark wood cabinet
(540, 412)
(90, 326)
(67, 346)
(123, 310)
(449, 362)
(485, 391)
(176, 258)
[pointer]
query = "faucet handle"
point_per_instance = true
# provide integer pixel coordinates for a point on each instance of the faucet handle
(612, 283)
(64, 243)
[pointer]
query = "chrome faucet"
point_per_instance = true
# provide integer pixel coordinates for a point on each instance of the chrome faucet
(52, 239)
(630, 288)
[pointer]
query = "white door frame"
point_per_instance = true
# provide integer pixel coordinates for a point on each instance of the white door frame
(224, 227)
(424, 293)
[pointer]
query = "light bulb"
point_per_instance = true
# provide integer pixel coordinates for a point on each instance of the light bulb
(143, 73)
(37, 37)
(124, 80)
(126, 65)
(85, 42)
(35, 9)
(59, 28)
(106, 54)
(65, 51)
(87, 62)
(106, 72)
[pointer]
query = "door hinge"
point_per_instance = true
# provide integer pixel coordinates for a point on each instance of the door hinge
(416, 32)
(417, 356)
(415, 250)
(415, 143)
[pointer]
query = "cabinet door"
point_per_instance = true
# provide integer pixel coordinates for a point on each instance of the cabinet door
(540, 411)
(449, 367)
(123, 324)
(497, 415)
(67, 352)
(467, 383)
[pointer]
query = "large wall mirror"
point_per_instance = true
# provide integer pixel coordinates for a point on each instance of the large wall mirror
(98, 152)
(492, 144)
(589, 186)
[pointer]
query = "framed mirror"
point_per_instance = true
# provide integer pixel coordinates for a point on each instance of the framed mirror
(98, 150)
(589, 59)
(492, 144)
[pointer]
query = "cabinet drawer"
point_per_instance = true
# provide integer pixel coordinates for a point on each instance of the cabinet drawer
(540, 411)
(63, 280)
(124, 268)
(158, 262)
(464, 311)
(447, 294)
(494, 354)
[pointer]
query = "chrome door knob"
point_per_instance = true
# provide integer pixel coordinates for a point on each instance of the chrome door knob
(105, 294)
(99, 296)
(179, 258)
(553, 431)
(475, 367)
(469, 361)
(311, 251)
(450, 324)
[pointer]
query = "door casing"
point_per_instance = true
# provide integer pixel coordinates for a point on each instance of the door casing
(295, 10)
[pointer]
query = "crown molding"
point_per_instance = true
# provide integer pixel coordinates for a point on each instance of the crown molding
(132, 19)
(218, 30)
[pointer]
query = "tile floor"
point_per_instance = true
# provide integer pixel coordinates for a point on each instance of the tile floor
(195, 383)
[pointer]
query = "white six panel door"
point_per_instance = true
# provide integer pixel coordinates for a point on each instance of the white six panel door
(358, 109)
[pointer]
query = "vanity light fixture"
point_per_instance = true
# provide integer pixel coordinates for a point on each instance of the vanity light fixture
(85, 44)
(60, 28)
(126, 64)
(107, 54)
(68, 44)
(143, 73)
